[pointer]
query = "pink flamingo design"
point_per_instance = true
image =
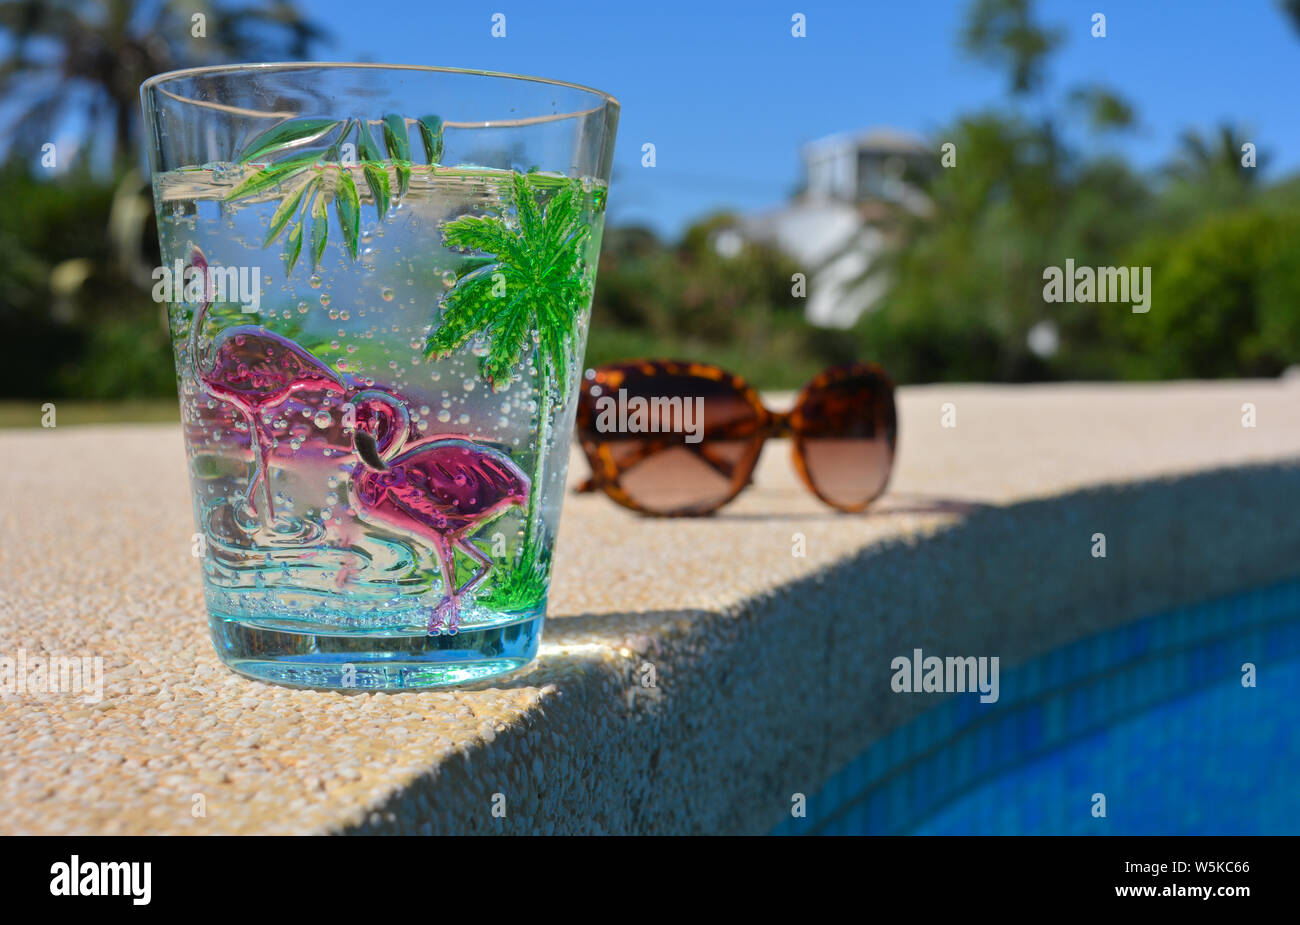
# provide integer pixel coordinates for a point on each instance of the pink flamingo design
(253, 369)
(441, 489)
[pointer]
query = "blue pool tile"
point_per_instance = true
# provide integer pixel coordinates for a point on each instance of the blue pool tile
(1153, 714)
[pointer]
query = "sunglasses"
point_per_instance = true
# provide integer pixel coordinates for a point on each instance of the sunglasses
(679, 439)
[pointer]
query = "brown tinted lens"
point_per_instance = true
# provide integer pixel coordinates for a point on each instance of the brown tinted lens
(845, 430)
(679, 443)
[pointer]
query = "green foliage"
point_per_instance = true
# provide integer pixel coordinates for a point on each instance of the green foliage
(1206, 174)
(1104, 109)
(79, 326)
(128, 355)
(967, 285)
(1004, 32)
(82, 63)
(1225, 300)
(688, 300)
(966, 281)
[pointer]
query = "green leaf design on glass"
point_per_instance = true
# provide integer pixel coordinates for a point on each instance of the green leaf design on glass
(398, 142)
(347, 205)
(309, 179)
(273, 175)
(287, 135)
(431, 137)
(376, 173)
(292, 248)
(284, 212)
(319, 229)
(377, 180)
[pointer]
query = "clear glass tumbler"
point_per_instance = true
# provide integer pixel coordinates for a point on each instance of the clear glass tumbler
(379, 281)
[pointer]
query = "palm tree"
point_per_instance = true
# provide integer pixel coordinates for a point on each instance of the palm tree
(529, 298)
(1005, 33)
(84, 60)
(1291, 8)
(1217, 158)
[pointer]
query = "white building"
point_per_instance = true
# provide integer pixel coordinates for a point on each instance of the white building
(851, 183)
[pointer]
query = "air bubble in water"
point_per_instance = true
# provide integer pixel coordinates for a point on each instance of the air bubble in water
(314, 281)
(386, 293)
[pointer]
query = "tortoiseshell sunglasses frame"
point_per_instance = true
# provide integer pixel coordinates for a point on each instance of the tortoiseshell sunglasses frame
(606, 471)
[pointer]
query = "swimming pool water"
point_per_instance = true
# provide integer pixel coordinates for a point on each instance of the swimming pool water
(1153, 715)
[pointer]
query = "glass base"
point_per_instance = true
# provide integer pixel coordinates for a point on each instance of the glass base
(359, 662)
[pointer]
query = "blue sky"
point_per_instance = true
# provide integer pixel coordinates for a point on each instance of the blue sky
(728, 96)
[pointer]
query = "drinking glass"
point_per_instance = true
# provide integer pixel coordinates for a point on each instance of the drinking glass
(379, 281)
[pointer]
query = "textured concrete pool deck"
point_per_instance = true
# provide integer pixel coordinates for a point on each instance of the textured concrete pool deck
(770, 670)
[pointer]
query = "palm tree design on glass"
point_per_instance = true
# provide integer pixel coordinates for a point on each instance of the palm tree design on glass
(527, 301)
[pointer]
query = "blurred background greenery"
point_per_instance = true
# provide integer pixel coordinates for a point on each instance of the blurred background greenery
(962, 277)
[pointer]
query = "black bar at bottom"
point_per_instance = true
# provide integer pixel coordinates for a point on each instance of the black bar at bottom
(330, 875)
